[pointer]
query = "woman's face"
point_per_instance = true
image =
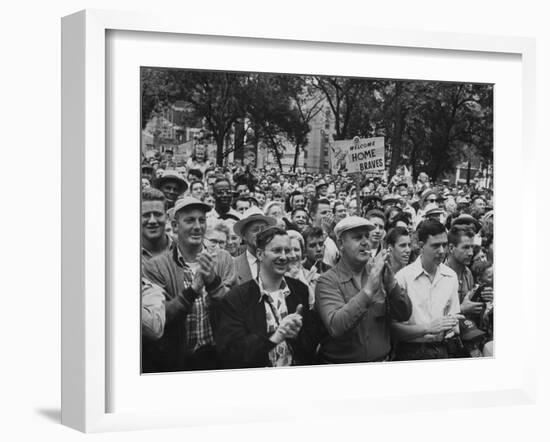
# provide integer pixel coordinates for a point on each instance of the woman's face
(295, 257)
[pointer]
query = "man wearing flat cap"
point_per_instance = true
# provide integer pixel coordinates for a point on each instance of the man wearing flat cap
(172, 185)
(358, 298)
(253, 221)
(194, 281)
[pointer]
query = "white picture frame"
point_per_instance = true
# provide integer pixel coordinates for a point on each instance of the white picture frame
(86, 351)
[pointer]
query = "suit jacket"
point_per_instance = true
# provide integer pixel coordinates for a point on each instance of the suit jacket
(241, 336)
(242, 269)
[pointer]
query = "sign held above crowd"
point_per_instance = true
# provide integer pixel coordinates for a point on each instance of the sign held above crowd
(359, 155)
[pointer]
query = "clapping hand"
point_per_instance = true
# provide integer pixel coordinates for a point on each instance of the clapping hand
(289, 327)
(376, 266)
(206, 266)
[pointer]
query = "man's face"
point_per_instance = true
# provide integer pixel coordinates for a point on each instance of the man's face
(171, 190)
(233, 242)
(261, 198)
(340, 212)
(401, 251)
(215, 240)
(464, 251)
(200, 153)
(242, 206)
(355, 245)
(264, 184)
(323, 190)
(342, 196)
(298, 202)
(189, 226)
(377, 234)
(275, 258)
(433, 250)
(478, 207)
(322, 210)
(198, 191)
(222, 193)
(153, 220)
(309, 191)
(315, 248)
(242, 189)
(251, 231)
(300, 219)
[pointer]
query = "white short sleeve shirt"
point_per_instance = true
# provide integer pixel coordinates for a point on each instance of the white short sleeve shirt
(430, 299)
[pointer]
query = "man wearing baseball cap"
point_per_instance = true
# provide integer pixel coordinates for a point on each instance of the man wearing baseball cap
(253, 221)
(358, 298)
(194, 281)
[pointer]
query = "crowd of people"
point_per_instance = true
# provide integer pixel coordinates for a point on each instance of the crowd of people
(257, 268)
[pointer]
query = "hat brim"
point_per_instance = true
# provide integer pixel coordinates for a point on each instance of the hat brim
(240, 226)
(182, 183)
(348, 229)
(200, 206)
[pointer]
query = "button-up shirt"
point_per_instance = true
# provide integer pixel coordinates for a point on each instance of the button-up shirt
(275, 311)
(431, 299)
(359, 331)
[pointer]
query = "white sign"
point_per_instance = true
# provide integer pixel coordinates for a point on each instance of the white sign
(359, 155)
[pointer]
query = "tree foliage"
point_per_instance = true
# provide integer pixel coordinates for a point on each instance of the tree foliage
(428, 125)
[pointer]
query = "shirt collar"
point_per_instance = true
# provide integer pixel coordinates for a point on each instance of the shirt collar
(442, 269)
(263, 292)
(178, 257)
(345, 273)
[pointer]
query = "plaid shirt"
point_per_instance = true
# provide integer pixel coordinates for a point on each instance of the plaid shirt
(198, 331)
(275, 311)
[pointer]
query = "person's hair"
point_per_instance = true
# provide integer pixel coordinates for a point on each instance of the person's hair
(193, 184)
(457, 232)
(265, 236)
(479, 268)
(429, 227)
(402, 216)
(152, 194)
(336, 204)
(222, 179)
(375, 213)
(270, 204)
(295, 234)
(394, 234)
(195, 172)
(222, 227)
(312, 232)
(315, 205)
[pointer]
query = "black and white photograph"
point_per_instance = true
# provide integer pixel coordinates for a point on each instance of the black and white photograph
(300, 220)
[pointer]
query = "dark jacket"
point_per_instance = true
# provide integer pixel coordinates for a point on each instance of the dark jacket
(241, 335)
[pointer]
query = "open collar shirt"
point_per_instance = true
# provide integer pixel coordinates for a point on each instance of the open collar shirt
(431, 299)
(275, 310)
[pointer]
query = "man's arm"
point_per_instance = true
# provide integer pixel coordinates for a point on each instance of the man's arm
(153, 312)
(176, 304)
(400, 305)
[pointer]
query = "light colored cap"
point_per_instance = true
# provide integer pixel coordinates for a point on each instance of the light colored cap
(351, 222)
(190, 202)
(252, 214)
